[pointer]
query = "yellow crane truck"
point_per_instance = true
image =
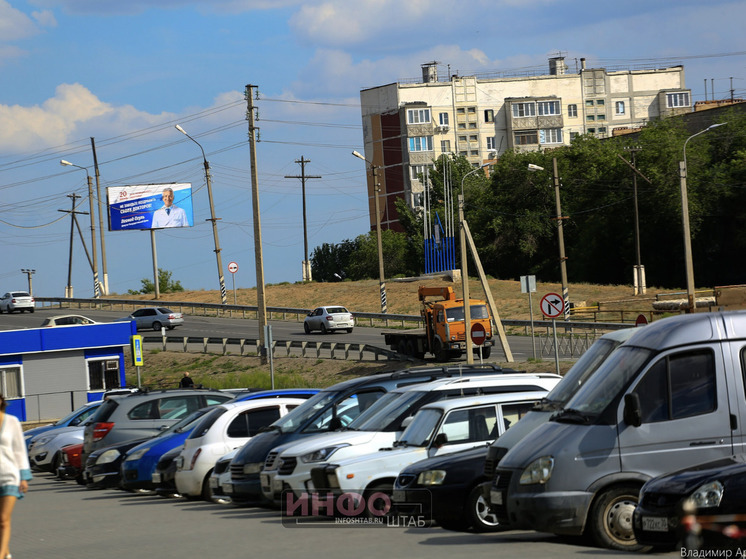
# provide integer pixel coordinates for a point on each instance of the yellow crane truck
(444, 334)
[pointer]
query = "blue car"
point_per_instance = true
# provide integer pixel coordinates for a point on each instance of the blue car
(73, 419)
(141, 460)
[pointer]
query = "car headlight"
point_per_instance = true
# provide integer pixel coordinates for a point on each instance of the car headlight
(706, 496)
(431, 477)
(108, 456)
(323, 454)
(253, 467)
(136, 455)
(538, 471)
(44, 440)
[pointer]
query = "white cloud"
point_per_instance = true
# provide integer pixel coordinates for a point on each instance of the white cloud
(14, 24)
(45, 18)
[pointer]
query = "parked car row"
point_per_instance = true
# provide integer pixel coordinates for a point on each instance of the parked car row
(639, 446)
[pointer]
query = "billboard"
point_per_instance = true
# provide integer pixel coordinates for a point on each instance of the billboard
(150, 206)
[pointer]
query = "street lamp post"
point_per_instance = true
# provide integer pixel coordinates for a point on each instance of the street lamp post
(688, 261)
(96, 287)
(376, 190)
(213, 219)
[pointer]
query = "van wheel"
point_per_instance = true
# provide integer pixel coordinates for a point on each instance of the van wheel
(610, 522)
(478, 512)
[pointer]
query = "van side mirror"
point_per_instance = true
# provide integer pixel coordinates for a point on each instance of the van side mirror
(632, 410)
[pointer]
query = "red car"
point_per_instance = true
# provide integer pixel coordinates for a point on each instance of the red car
(71, 466)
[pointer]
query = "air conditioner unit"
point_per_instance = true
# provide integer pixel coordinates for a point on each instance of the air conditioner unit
(112, 365)
(442, 128)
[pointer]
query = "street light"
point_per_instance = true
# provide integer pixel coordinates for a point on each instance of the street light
(376, 190)
(688, 262)
(94, 265)
(465, 267)
(221, 278)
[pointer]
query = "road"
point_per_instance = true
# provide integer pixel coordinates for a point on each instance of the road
(205, 326)
(63, 520)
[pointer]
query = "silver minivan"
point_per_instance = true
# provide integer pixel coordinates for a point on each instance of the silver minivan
(669, 397)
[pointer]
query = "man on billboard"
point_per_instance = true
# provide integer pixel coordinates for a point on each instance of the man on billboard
(169, 215)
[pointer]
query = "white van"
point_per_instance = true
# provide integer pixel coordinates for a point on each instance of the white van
(671, 396)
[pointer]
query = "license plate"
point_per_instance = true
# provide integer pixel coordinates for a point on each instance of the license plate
(264, 480)
(399, 496)
(228, 488)
(654, 524)
(277, 485)
(496, 497)
(213, 482)
(156, 478)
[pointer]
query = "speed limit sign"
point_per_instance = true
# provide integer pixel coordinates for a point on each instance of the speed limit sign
(233, 267)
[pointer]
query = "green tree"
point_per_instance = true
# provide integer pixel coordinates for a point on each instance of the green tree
(165, 284)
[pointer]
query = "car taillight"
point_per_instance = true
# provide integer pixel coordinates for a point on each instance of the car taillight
(101, 429)
(329, 317)
(194, 458)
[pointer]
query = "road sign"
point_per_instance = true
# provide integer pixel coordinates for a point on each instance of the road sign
(478, 333)
(641, 320)
(232, 267)
(552, 305)
(136, 350)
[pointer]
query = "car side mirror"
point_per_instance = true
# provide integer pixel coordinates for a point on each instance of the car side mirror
(406, 421)
(632, 409)
(440, 440)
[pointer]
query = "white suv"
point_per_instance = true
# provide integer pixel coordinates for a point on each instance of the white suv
(289, 466)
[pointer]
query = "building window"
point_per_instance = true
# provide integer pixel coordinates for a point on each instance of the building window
(489, 115)
(674, 100)
(600, 102)
(445, 146)
(619, 107)
(573, 135)
(589, 103)
(472, 110)
(547, 108)
(419, 172)
(473, 139)
(491, 143)
(462, 139)
(550, 136)
(600, 117)
(418, 116)
(11, 382)
(591, 130)
(421, 143)
(461, 111)
(462, 126)
(103, 374)
(602, 130)
(526, 137)
(590, 117)
(418, 199)
(472, 125)
(443, 119)
(572, 111)
(524, 109)
(474, 152)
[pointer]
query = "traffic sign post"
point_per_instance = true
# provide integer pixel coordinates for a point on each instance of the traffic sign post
(233, 268)
(552, 306)
(528, 285)
(478, 335)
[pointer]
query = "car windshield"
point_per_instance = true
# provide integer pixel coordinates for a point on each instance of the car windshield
(420, 431)
(70, 415)
(164, 310)
(386, 414)
(609, 380)
(456, 314)
(336, 310)
(300, 415)
(206, 421)
(188, 422)
(20, 294)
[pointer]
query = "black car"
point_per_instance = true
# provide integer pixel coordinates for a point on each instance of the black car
(164, 476)
(103, 466)
(447, 490)
(696, 508)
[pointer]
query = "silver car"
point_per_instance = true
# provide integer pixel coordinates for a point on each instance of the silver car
(329, 319)
(156, 318)
(17, 301)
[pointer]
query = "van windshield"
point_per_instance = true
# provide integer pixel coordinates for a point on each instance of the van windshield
(610, 379)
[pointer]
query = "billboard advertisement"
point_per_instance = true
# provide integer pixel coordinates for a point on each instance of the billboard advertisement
(150, 206)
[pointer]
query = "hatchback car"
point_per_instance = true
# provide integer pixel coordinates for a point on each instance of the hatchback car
(155, 318)
(73, 419)
(45, 450)
(328, 320)
(67, 320)
(16, 301)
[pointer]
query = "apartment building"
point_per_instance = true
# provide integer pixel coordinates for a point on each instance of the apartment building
(406, 126)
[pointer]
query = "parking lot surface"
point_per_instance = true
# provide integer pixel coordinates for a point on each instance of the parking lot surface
(60, 519)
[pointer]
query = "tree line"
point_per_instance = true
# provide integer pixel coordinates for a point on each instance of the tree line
(513, 218)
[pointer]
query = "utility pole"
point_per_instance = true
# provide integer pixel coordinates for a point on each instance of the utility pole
(261, 303)
(639, 277)
(306, 264)
(73, 223)
(100, 220)
(561, 237)
(29, 273)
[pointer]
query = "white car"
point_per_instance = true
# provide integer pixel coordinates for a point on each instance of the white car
(220, 475)
(67, 320)
(289, 466)
(45, 449)
(328, 319)
(439, 428)
(16, 301)
(228, 426)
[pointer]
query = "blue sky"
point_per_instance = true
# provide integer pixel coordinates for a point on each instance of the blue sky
(126, 72)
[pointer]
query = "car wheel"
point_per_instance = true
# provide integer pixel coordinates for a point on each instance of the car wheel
(349, 330)
(206, 489)
(31, 310)
(306, 328)
(382, 502)
(170, 327)
(56, 460)
(478, 512)
(324, 331)
(156, 326)
(610, 521)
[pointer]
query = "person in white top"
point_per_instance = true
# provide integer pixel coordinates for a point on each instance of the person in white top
(15, 472)
(169, 215)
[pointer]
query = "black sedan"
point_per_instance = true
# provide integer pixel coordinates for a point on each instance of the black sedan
(702, 507)
(448, 490)
(103, 466)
